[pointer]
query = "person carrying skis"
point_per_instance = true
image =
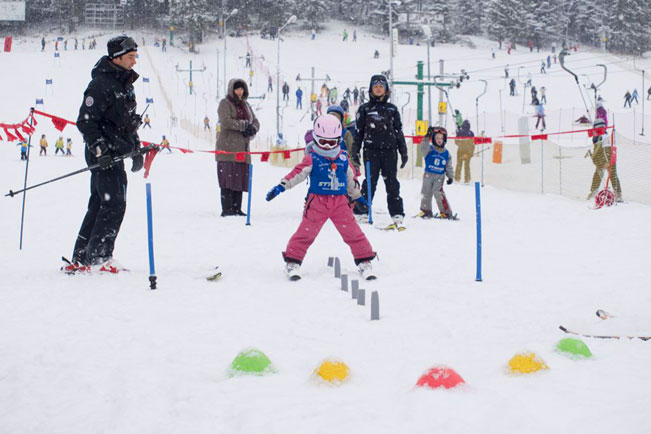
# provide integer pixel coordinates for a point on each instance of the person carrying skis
(601, 155)
(438, 165)
(43, 144)
(379, 134)
(465, 151)
(627, 99)
(109, 124)
(331, 185)
(58, 146)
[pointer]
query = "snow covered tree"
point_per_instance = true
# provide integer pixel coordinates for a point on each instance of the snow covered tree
(468, 17)
(628, 23)
(505, 19)
(313, 11)
(194, 16)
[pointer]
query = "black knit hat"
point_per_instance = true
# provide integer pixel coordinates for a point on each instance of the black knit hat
(120, 45)
(238, 85)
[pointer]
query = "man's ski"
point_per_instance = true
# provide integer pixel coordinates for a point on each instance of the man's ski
(644, 338)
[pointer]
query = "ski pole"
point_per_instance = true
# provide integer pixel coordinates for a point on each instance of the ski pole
(248, 205)
(150, 240)
(368, 191)
(22, 213)
(478, 214)
(142, 150)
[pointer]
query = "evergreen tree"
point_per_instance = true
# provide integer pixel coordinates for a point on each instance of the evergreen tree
(194, 16)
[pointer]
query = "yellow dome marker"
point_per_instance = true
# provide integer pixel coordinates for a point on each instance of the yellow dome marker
(526, 363)
(332, 371)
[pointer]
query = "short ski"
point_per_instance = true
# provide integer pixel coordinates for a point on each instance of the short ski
(392, 227)
(644, 338)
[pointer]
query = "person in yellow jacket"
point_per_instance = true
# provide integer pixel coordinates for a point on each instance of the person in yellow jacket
(601, 155)
(43, 144)
(58, 145)
(166, 144)
(465, 151)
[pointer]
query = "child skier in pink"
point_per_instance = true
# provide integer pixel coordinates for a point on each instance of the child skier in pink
(331, 183)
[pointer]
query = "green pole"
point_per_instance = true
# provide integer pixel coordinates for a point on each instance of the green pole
(190, 78)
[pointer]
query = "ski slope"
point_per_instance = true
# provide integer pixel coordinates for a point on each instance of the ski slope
(105, 354)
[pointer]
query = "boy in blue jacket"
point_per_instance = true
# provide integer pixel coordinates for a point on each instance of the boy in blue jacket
(438, 165)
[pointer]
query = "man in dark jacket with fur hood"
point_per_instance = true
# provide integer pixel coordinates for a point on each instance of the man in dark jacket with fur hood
(379, 134)
(109, 123)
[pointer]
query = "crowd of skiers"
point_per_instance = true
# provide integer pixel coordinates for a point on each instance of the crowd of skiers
(74, 42)
(338, 150)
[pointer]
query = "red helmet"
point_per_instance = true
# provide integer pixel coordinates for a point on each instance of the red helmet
(439, 130)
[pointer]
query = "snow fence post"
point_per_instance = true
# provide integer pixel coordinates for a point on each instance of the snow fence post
(368, 190)
(150, 240)
(375, 306)
(337, 268)
(331, 261)
(478, 215)
(248, 205)
(354, 288)
(344, 282)
(361, 297)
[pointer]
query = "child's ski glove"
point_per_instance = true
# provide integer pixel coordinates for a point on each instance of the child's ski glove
(275, 192)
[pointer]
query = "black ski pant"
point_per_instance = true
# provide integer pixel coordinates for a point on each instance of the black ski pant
(383, 162)
(106, 207)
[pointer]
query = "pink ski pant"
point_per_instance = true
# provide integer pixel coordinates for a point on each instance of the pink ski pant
(318, 209)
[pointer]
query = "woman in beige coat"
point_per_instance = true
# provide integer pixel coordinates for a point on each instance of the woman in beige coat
(238, 126)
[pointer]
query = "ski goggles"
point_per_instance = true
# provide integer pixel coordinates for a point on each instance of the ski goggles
(127, 46)
(326, 143)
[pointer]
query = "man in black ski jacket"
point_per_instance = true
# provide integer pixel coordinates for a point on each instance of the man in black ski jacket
(109, 123)
(379, 134)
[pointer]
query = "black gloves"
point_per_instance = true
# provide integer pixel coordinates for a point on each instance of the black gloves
(105, 162)
(450, 180)
(249, 131)
(137, 162)
(403, 158)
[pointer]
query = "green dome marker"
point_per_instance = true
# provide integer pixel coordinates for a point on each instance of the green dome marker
(574, 347)
(252, 362)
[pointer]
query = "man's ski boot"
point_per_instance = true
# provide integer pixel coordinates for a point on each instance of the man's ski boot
(72, 268)
(424, 214)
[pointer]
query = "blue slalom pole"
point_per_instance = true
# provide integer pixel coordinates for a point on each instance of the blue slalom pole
(248, 205)
(150, 239)
(478, 214)
(368, 190)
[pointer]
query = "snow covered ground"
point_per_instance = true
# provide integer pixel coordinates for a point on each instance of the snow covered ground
(105, 354)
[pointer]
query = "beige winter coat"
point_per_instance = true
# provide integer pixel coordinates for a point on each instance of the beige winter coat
(230, 137)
